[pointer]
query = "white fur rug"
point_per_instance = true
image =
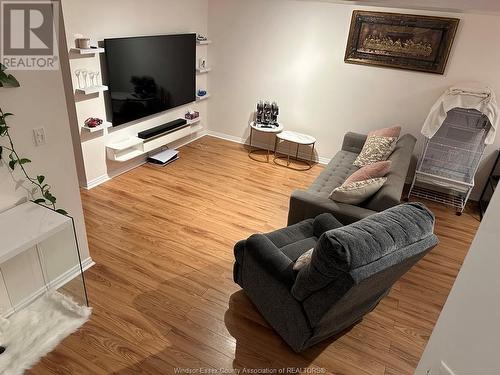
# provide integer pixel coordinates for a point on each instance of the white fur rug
(33, 332)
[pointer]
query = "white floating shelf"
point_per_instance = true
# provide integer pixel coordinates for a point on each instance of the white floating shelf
(103, 126)
(203, 42)
(92, 89)
(200, 98)
(129, 155)
(196, 128)
(87, 51)
(194, 121)
(203, 71)
(125, 143)
(132, 147)
(125, 149)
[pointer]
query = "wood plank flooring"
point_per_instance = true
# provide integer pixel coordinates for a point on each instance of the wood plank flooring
(162, 289)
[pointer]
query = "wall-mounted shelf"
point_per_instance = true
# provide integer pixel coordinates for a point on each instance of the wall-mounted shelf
(203, 71)
(125, 149)
(103, 126)
(203, 42)
(125, 144)
(200, 98)
(194, 121)
(132, 147)
(196, 128)
(86, 51)
(92, 89)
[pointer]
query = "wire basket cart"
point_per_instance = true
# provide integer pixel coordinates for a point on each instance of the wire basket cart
(450, 159)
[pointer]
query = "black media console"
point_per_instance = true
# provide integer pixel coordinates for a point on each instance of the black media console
(162, 129)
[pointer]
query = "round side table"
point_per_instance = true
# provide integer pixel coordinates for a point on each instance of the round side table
(271, 130)
(298, 139)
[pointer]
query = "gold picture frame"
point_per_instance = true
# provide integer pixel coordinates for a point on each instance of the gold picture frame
(403, 41)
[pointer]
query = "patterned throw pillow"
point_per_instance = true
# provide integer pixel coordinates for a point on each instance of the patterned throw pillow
(303, 260)
(376, 148)
(357, 192)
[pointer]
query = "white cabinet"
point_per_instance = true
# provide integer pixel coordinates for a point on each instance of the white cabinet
(38, 252)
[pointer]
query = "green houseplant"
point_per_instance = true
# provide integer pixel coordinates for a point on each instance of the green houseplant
(11, 157)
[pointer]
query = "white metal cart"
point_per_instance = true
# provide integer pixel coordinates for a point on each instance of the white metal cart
(450, 159)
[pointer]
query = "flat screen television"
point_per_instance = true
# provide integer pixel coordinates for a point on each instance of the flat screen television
(150, 74)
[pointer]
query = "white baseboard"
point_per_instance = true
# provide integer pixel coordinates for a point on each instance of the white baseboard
(55, 284)
(141, 161)
(231, 138)
(137, 163)
(96, 181)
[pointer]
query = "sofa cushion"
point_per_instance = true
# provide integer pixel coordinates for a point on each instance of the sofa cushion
(334, 175)
(296, 249)
(357, 251)
(291, 234)
(358, 191)
(376, 148)
(371, 239)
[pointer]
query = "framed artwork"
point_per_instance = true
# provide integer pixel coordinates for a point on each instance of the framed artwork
(404, 41)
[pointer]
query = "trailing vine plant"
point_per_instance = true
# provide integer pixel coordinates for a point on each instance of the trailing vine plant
(14, 160)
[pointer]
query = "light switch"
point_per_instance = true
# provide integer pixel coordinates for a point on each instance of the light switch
(39, 134)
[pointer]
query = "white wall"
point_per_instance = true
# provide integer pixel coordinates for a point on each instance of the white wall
(467, 334)
(293, 52)
(119, 18)
(40, 102)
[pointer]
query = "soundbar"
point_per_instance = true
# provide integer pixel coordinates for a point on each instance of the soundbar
(162, 129)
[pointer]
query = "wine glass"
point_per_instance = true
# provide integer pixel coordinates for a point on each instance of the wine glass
(91, 78)
(84, 75)
(78, 73)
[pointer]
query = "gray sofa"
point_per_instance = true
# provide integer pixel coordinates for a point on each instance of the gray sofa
(352, 268)
(314, 201)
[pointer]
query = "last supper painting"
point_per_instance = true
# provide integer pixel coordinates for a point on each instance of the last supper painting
(404, 41)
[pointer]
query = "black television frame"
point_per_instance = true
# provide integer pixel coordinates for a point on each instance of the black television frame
(192, 99)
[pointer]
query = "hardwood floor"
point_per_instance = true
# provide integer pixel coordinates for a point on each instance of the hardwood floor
(162, 289)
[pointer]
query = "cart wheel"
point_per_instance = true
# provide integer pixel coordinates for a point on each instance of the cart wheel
(459, 213)
(406, 199)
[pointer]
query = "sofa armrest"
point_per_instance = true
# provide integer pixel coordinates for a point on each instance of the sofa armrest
(324, 223)
(293, 233)
(354, 142)
(269, 257)
(390, 194)
(305, 205)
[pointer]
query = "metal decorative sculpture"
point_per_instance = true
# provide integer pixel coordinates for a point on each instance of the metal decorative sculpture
(267, 113)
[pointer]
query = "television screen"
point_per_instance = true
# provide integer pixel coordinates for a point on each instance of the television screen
(150, 74)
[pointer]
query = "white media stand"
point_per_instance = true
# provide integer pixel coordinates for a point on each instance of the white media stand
(132, 147)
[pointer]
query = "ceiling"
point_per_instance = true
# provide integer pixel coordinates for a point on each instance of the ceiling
(466, 6)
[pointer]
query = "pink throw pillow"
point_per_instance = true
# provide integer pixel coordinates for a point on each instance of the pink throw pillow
(375, 170)
(392, 132)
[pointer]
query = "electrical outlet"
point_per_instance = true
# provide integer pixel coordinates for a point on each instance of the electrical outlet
(39, 134)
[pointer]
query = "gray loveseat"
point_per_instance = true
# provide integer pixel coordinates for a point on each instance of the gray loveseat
(314, 201)
(352, 268)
